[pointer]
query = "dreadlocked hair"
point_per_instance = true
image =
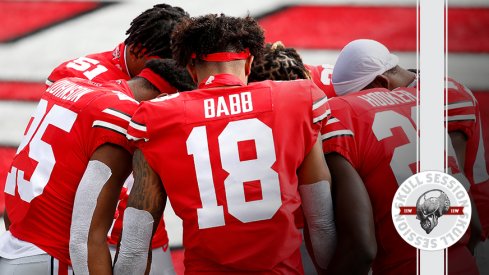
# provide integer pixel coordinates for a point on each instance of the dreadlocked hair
(150, 32)
(215, 33)
(177, 76)
(278, 63)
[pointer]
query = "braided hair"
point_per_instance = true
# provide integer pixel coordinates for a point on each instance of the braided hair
(215, 33)
(278, 63)
(150, 32)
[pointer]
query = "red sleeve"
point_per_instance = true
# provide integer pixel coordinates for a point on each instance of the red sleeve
(461, 109)
(110, 115)
(320, 106)
(337, 133)
(137, 131)
(319, 115)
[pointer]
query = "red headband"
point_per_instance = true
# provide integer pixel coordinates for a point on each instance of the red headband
(159, 82)
(224, 56)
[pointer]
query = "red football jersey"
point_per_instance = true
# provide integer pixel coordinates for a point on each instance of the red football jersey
(74, 117)
(464, 116)
(321, 75)
(375, 130)
(98, 67)
(234, 184)
(102, 67)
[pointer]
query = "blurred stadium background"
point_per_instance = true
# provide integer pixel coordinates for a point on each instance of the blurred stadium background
(36, 36)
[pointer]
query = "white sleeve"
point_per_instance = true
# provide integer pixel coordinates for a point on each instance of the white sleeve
(94, 178)
(318, 212)
(137, 231)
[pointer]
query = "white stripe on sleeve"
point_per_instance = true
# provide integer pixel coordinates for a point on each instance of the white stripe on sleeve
(460, 117)
(110, 126)
(137, 126)
(116, 113)
(321, 117)
(336, 133)
(319, 103)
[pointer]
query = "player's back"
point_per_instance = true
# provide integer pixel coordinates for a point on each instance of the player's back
(100, 68)
(97, 67)
(74, 117)
(228, 158)
(376, 132)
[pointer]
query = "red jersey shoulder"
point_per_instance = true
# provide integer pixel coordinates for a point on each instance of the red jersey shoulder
(298, 90)
(457, 93)
(104, 106)
(98, 67)
(81, 92)
(148, 113)
(380, 99)
(338, 133)
(462, 108)
(352, 116)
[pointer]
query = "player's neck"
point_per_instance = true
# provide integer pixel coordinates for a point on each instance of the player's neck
(204, 71)
(141, 90)
(405, 77)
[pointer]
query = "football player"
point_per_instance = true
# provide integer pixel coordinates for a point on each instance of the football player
(74, 152)
(247, 156)
(280, 63)
(148, 38)
(372, 139)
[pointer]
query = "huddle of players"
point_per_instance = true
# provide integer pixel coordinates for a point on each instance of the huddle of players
(231, 157)
(369, 141)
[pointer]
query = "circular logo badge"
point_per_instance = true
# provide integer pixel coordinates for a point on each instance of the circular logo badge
(431, 210)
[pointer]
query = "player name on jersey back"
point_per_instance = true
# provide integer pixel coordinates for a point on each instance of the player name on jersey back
(388, 98)
(67, 90)
(231, 102)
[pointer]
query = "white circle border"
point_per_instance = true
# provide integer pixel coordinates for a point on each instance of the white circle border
(395, 210)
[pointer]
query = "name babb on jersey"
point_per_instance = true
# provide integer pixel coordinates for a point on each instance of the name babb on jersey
(235, 183)
(74, 117)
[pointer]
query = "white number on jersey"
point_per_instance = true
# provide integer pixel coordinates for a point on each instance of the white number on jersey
(404, 156)
(86, 65)
(211, 214)
(39, 151)
(326, 74)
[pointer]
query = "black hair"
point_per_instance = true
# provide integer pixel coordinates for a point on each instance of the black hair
(278, 63)
(177, 76)
(150, 32)
(215, 33)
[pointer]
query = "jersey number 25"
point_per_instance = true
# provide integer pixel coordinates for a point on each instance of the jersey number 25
(39, 151)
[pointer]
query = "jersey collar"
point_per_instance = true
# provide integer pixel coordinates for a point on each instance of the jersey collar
(220, 80)
(119, 58)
